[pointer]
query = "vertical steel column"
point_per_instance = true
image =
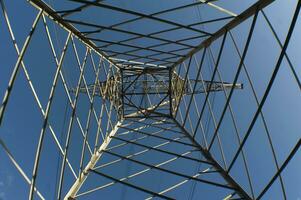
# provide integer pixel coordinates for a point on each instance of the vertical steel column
(195, 84)
(48, 107)
(183, 86)
(122, 92)
(89, 114)
(70, 126)
(217, 166)
(18, 63)
(236, 76)
(212, 78)
(170, 91)
(95, 157)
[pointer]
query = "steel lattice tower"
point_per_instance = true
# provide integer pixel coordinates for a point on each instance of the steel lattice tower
(137, 100)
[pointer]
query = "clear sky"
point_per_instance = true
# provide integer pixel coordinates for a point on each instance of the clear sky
(23, 120)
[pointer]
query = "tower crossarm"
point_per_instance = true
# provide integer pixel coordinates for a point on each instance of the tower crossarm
(215, 86)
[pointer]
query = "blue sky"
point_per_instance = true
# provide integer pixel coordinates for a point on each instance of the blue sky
(23, 120)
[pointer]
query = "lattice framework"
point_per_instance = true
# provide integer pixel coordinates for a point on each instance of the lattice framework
(111, 128)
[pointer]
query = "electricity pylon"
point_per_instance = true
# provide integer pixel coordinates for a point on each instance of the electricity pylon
(148, 113)
(151, 83)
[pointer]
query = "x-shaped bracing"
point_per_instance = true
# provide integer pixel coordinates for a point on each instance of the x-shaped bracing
(170, 136)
